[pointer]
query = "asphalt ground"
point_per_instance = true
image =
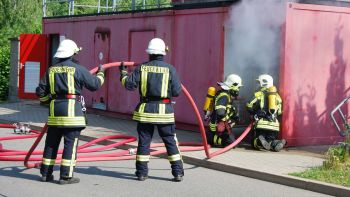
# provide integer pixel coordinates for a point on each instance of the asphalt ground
(116, 178)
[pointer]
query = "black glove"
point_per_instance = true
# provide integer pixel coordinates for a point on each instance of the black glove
(122, 68)
(261, 114)
(235, 119)
(100, 68)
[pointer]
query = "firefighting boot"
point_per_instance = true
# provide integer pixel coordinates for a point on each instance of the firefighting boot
(178, 178)
(47, 178)
(71, 180)
(142, 178)
(264, 143)
(279, 145)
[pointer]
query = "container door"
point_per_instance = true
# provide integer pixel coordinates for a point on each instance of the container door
(99, 98)
(33, 63)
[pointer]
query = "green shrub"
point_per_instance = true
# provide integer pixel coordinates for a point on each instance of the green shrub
(4, 71)
(338, 156)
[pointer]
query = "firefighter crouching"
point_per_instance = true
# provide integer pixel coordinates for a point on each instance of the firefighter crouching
(224, 114)
(265, 106)
(61, 86)
(158, 83)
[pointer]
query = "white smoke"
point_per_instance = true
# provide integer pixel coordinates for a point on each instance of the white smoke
(253, 37)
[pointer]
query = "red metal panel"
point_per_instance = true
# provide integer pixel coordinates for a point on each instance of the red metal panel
(313, 78)
(99, 98)
(33, 48)
(194, 36)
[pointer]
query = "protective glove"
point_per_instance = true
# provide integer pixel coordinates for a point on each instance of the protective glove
(122, 69)
(260, 114)
(100, 69)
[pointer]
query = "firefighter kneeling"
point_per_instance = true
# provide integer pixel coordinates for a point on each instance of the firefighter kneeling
(224, 115)
(265, 106)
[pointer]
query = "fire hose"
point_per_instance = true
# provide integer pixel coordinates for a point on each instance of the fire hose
(13, 155)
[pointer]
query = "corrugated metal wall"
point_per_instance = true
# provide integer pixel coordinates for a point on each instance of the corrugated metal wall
(314, 76)
(195, 38)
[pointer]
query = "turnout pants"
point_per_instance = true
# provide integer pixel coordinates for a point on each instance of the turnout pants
(222, 140)
(167, 133)
(69, 155)
(270, 137)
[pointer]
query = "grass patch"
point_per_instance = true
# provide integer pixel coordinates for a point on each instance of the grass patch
(335, 176)
(335, 169)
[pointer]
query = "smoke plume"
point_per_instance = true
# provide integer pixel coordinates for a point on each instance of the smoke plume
(253, 37)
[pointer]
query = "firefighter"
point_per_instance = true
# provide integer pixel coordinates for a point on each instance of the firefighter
(265, 107)
(224, 115)
(158, 82)
(61, 87)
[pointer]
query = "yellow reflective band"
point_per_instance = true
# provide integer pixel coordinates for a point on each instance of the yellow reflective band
(44, 99)
(159, 119)
(100, 74)
(220, 107)
(52, 82)
(67, 162)
(177, 146)
(154, 69)
(176, 157)
(219, 141)
(215, 139)
(73, 161)
(71, 107)
(52, 108)
(151, 115)
(165, 82)
(123, 80)
(161, 108)
(144, 75)
(142, 157)
(262, 102)
(71, 87)
(66, 121)
(142, 107)
(101, 78)
(49, 162)
(62, 69)
(212, 127)
(250, 104)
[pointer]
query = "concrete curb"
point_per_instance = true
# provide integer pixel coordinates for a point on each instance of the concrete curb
(306, 184)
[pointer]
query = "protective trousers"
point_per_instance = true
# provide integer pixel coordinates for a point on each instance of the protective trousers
(222, 140)
(69, 155)
(270, 137)
(167, 133)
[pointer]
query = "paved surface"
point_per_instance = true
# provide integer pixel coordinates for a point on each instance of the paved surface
(269, 166)
(117, 179)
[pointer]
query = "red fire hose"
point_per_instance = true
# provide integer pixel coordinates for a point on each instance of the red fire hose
(13, 155)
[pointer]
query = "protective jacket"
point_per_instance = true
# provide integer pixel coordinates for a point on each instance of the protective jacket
(61, 86)
(258, 107)
(155, 103)
(223, 109)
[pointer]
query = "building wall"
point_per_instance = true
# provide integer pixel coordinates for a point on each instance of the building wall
(314, 75)
(194, 37)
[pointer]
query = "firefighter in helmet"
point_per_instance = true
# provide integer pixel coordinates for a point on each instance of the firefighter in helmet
(265, 107)
(61, 87)
(158, 82)
(224, 114)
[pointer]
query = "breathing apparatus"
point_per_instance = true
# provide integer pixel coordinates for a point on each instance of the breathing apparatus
(272, 105)
(209, 102)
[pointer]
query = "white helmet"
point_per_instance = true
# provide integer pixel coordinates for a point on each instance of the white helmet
(67, 48)
(231, 80)
(265, 81)
(156, 47)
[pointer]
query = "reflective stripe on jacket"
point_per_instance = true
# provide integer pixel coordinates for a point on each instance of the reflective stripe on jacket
(66, 78)
(222, 101)
(156, 80)
(260, 103)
